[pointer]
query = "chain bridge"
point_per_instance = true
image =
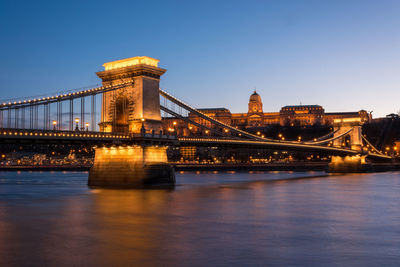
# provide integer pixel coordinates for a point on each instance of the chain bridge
(126, 111)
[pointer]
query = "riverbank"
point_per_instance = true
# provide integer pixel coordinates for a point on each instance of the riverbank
(45, 168)
(292, 166)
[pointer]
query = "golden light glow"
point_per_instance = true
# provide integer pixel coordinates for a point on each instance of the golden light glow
(54, 123)
(77, 120)
(301, 111)
(347, 120)
(131, 62)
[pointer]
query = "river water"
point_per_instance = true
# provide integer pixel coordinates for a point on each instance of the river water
(209, 219)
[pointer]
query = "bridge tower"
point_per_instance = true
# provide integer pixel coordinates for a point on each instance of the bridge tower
(128, 109)
(341, 126)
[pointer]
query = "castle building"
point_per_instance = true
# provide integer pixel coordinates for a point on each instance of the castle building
(295, 115)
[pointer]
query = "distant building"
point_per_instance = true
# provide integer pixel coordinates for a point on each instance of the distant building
(296, 115)
(301, 115)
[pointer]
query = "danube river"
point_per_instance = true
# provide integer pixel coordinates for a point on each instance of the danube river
(209, 219)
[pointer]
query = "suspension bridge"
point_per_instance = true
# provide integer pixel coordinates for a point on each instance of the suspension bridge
(128, 109)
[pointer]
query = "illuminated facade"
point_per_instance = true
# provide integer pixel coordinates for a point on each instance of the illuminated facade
(296, 115)
(127, 109)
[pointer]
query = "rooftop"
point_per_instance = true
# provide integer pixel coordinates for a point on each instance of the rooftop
(131, 62)
(303, 106)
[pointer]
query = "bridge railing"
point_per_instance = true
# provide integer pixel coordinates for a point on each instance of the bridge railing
(51, 134)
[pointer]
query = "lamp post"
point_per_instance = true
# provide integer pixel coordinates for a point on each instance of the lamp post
(77, 124)
(142, 129)
(87, 127)
(175, 130)
(54, 125)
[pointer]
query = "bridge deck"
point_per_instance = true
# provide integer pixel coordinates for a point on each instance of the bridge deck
(278, 145)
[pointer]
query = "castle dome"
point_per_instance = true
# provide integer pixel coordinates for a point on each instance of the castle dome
(255, 103)
(255, 97)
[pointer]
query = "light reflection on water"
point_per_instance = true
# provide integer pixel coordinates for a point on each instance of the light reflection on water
(209, 219)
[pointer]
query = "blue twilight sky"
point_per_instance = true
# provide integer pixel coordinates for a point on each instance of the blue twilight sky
(343, 55)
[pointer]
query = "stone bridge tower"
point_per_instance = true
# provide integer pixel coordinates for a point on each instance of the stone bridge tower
(126, 110)
(343, 125)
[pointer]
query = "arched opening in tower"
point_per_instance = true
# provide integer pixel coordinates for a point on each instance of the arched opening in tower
(121, 115)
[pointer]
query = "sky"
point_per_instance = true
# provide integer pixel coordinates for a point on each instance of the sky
(343, 55)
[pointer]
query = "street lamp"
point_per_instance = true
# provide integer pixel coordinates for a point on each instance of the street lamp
(54, 125)
(87, 127)
(77, 124)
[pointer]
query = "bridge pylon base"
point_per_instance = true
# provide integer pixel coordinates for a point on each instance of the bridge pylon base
(348, 164)
(131, 167)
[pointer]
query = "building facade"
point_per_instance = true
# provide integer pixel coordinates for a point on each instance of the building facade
(296, 115)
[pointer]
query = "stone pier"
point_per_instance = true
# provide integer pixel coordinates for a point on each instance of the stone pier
(348, 164)
(131, 166)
